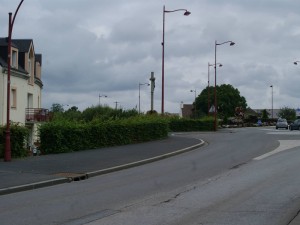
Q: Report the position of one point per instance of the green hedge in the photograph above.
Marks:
(59, 137)
(18, 136)
(182, 124)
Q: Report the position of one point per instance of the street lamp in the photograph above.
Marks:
(272, 100)
(7, 152)
(140, 84)
(186, 13)
(100, 96)
(231, 43)
(208, 85)
(195, 99)
(296, 62)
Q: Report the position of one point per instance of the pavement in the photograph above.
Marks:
(47, 170)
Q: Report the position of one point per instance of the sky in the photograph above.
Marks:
(93, 48)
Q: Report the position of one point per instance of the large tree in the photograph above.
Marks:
(57, 108)
(287, 113)
(228, 98)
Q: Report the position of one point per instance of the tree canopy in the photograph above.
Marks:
(287, 113)
(228, 98)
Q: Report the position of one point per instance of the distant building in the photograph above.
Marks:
(269, 111)
(26, 85)
(298, 112)
(186, 110)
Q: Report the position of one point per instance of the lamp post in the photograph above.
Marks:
(208, 85)
(296, 62)
(7, 152)
(186, 13)
(100, 96)
(140, 84)
(231, 43)
(272, 100)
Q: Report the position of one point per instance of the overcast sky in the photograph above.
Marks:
(108, 47)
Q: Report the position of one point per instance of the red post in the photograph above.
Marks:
(215, 91)
(7, 151)
(163, 66)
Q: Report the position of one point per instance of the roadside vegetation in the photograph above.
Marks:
(18, 137)
(102, 126)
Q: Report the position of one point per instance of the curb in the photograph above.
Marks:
(48, 183)
(142, 162)
(32, 186)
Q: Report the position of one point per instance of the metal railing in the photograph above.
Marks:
(37, 115)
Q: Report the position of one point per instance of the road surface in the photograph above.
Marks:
(242, 176)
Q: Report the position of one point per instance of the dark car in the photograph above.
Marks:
(295, 125)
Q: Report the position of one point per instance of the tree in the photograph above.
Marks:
(287, 113)
(265, 114)
(56, 107)
(228, 98)
(72, 114)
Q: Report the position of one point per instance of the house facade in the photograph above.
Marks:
(25, 86)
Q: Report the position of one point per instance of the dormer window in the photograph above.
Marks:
(14, 59)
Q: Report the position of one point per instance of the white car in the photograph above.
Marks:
(282, 123)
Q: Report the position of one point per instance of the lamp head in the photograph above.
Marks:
(295, 63)
(220, 65)
(232, 43)
(186, 13)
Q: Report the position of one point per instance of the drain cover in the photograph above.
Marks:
(73, 176)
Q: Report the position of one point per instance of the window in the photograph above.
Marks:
(13, 100)
(29, 100)
(14, 60)
(30, 71)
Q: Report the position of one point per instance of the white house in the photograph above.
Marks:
(26, 86)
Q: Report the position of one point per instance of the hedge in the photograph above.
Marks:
(18, 136)
(182, 124)
(60, 137)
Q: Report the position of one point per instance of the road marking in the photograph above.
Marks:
(285, 133)
(283, 145)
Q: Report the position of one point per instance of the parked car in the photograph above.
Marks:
(282, 123)
(295, 125)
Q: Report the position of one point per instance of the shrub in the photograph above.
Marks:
(182, 124)
(18, 136)
(63, 136)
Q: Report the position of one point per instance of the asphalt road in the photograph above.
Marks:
(230, 180)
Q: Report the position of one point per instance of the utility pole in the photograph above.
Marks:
(152, 80)
(117, 104)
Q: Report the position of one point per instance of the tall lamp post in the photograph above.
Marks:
(186, 13)
(140, 84)
(296, 62)
(100, 96)
(195, 91)
(208, 85)
(272, 100)
(7, 152)
(231, 43)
